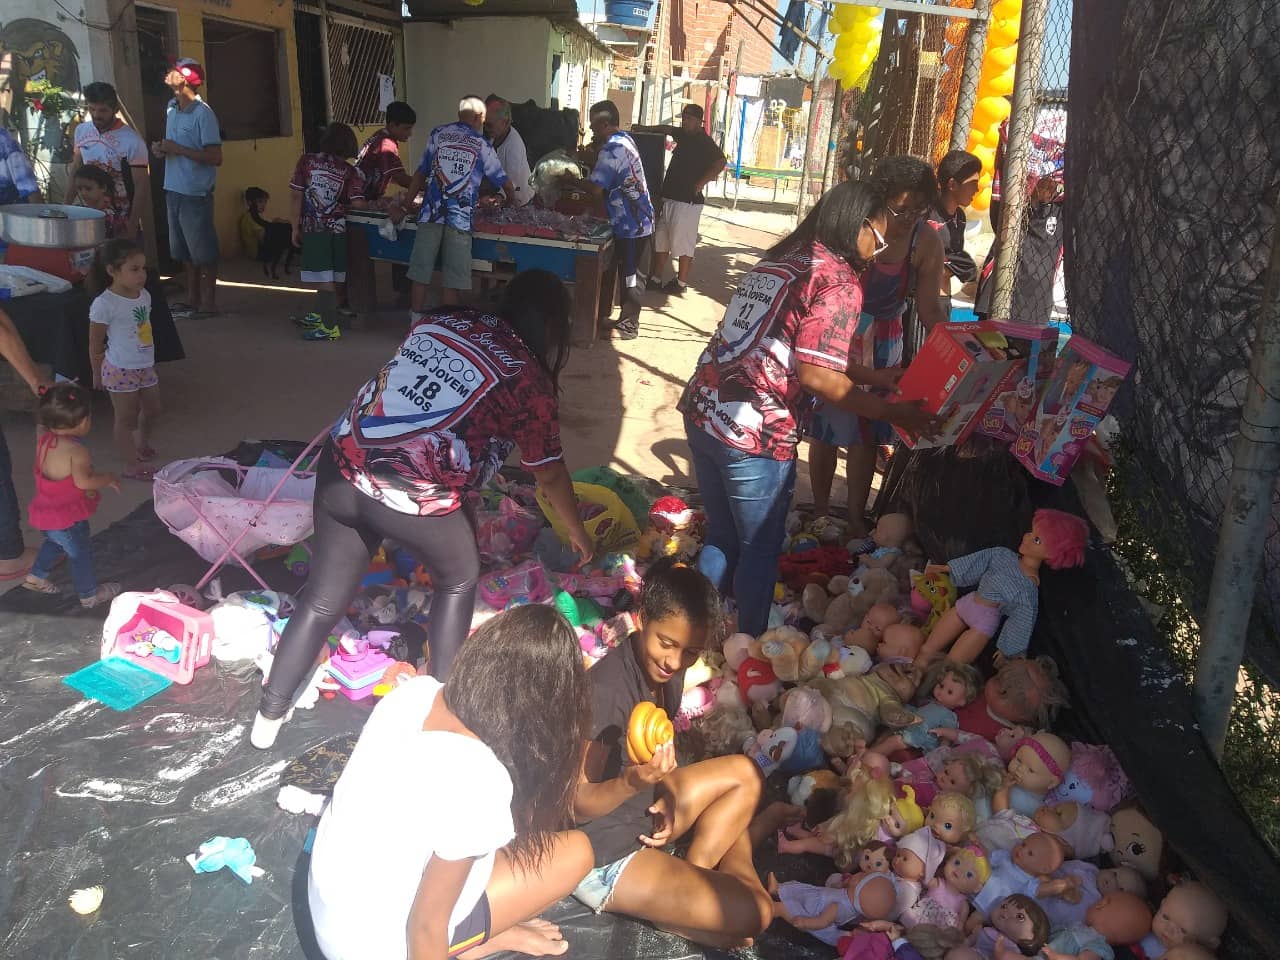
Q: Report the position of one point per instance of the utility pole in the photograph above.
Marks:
(1245, 518)
(975, 46)
(801, 201)
(833, 138)
(1013, 183)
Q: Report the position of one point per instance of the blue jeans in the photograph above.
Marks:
(10, 521)
(74, 542)
(746, 499)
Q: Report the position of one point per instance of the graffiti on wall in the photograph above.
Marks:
(35, 53)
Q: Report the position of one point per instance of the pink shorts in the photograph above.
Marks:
(119, 380)
(980, 616)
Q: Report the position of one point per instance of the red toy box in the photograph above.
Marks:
(138, 640)
(1032, 350)
(1084, 382)
(954, 374)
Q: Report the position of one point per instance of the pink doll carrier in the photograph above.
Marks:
(225, 511)
(156, 632)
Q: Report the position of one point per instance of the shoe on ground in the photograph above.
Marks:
(654, 285)
(309, 322)
(322, 333)
(628, 328)
(264, 732)
(38, 585)
(105, 594)
(673, 287)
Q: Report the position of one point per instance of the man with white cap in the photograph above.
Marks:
(192, 153)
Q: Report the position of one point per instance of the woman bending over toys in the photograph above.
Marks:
(631, 808)
(488, 761)
(1008, 588)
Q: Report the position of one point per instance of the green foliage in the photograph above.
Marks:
(1159, 564)
(51, 100)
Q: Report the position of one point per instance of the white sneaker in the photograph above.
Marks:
(264, 732)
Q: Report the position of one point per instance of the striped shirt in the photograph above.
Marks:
(1001, 581)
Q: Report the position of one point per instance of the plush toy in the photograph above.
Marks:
(757, 682)
(932, 595)
(796, 568)
(736, 648)
(802, 786)
(856, 702)
(670, 514)
(868, 588)
(831, 658)
(784, 647)
(806, 755)
(654, 544)
(1134, 841)
(1095, 777)
(805, 709)
(771, 748)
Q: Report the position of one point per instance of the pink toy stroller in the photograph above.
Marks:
(225, 511)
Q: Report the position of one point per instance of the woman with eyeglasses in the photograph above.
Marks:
(792, 332)
(913, 259)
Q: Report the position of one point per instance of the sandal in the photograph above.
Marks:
(105, 593)
(140, 471)
(39, 585)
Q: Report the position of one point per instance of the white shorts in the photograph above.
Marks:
(677, 230)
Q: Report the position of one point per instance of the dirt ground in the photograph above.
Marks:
(248, 376)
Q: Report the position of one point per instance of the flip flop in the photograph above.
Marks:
(39, 586)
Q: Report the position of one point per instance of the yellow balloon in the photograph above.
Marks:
(992, 138)
(985, 154)
(846, 18)
(1006, 9)
(1000, 85)
(865, 33)
(981, 202)
(990, 112)
(1003, 32)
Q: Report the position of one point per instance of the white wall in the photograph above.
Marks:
(445, 62)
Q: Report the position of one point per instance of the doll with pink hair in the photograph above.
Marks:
(1094, 777)
(1008, 586)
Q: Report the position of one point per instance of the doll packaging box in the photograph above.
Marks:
(1032, 350)
(1084, 382)
(955, 374)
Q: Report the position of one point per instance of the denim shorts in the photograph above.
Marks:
(596, 889)
(192, 238)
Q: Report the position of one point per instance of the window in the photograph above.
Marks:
(358, 54)
(243, 67)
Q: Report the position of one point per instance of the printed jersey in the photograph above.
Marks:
(113, 150)
(328, 185)
(745, 391)
(620, 174)
(378, 161)
(443, 415)
(457, 158)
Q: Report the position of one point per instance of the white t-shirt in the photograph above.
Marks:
(515, 161)
(361, 887)
(128, 322)
(120, 145)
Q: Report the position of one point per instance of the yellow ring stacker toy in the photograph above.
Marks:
(648, 728)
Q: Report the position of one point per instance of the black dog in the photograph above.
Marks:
(277, 243)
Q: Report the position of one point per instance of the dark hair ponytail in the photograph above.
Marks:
(113, 255)
(536, 304)
(836, 221)
(63, 406)
(675, 589)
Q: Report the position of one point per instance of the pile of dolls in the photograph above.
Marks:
(957, 823)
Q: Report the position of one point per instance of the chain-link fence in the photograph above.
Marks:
(1174, 160)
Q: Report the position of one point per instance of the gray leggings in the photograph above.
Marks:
(349, 526)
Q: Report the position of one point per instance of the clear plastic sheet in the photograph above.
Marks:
(91, 796)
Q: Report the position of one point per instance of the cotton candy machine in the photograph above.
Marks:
(56, 238)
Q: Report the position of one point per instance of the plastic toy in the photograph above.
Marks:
(1189, 913)
(85, 900)
(298, 560)
(1039, 764)
(1116, 919)
(358, 672)
(167, 638)
(1008, 587)
(647, 729)
(1019, 928)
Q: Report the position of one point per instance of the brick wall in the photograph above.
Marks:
(702, 32)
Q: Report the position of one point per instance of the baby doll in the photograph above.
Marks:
(945, 901)
(885, 543)
(1189, 913)
(1119, 918)
(1094, 777)
(915, 863)
(1007, 587)
(1038, 765)
(1018, 929)
(900, 643)
(1189, 951)
(857, 703)
(1025, 869)
(951, 817)
(1079, 826)
(950, 686)
(871, 630)
(971, 767)
(822, 911)
(1118, 879)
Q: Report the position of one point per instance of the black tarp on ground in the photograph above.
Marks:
(1125, 690)
(90, 796)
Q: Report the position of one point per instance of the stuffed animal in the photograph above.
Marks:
(856, 702)
(802, 786)
(829, 657)
(771, 748)
(932, 595)
(654, 544)
(869, 588)
(805, 709)
(784, 648)
(1094, 777)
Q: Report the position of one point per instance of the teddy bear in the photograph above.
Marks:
(750, 670)
(654, 544)
(784, 648)
(831, 657)
(865, 590)
(804, 708)
(857, 702)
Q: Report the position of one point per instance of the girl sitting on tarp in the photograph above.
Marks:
(486, 761)
(631, 811)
